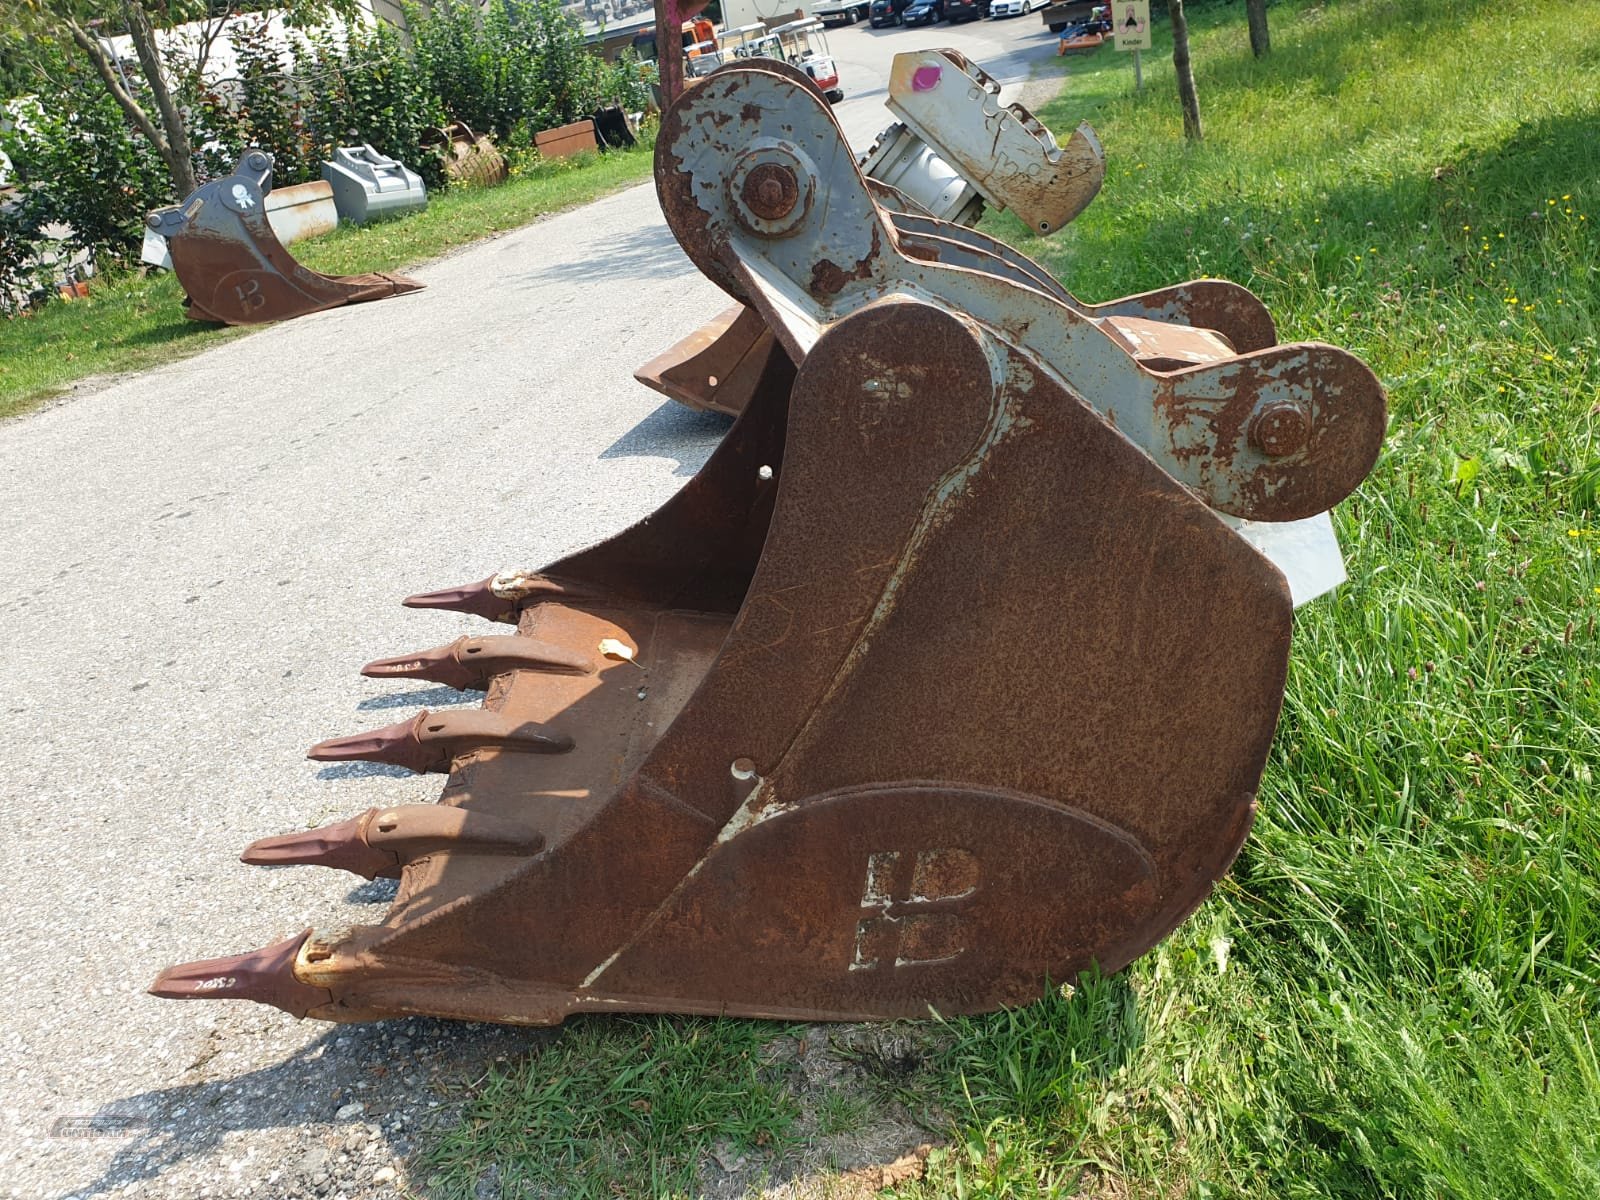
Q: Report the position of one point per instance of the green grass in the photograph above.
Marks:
(130, 323)
(617, 1107)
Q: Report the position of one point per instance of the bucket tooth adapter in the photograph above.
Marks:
(954, 149)
(233, 267)
(940, 682)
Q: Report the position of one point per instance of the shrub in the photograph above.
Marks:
(369, 90)
(81, 164)
(514, 63)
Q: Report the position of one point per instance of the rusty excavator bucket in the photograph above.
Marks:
(233, 267)
(954, 150)
(942, 680)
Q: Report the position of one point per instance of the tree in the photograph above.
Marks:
(1260, 40)
(147, 97)
(14, 73)
(1185, 72)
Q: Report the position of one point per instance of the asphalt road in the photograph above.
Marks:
(193, 564)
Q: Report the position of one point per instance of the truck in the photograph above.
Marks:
(1064, 12)
(767, 12)
(840, 12)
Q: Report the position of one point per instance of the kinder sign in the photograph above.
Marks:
(1130, 24)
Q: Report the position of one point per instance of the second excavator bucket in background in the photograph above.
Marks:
(469, 158)
(720, 365)
(941, 681)
(1004, 151)
(233, 267)
(957, 149)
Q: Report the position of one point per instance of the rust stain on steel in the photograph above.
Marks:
(1287, 432)
(305, 210)
(771, 191)
(1217, 304)
(829, 279)
(970, 681)
(566, 140)
(234, 268)
(1280, 429)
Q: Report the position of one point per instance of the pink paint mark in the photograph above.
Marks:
(925, 79)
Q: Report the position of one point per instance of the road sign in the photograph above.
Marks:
(1130, 24)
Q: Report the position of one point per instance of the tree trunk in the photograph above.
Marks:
(1180, 64)
(177, 154)
(179, 164)
(1260, 40)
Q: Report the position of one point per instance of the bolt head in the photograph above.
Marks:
(771, 191)
(1280, 428)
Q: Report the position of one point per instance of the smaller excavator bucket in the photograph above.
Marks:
(470, 159)
(720, 365)
(1002, 150)
(233, 267)
(942, 681)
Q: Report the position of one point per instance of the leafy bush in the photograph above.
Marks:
(468, 61)
(20, 242)
(82, 165)
(371, 91)
(272, 104)
(627, 83)
(509, 69)
(516, 65)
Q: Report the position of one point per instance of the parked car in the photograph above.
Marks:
(886, 12)
(1014, 8)
(923, 12)
(965, 10)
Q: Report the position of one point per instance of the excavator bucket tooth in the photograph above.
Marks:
(943, 680)
(430, 742)
(497, 598)
(234, 268)
(470, 662)
(266, 976)
(383, 840)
